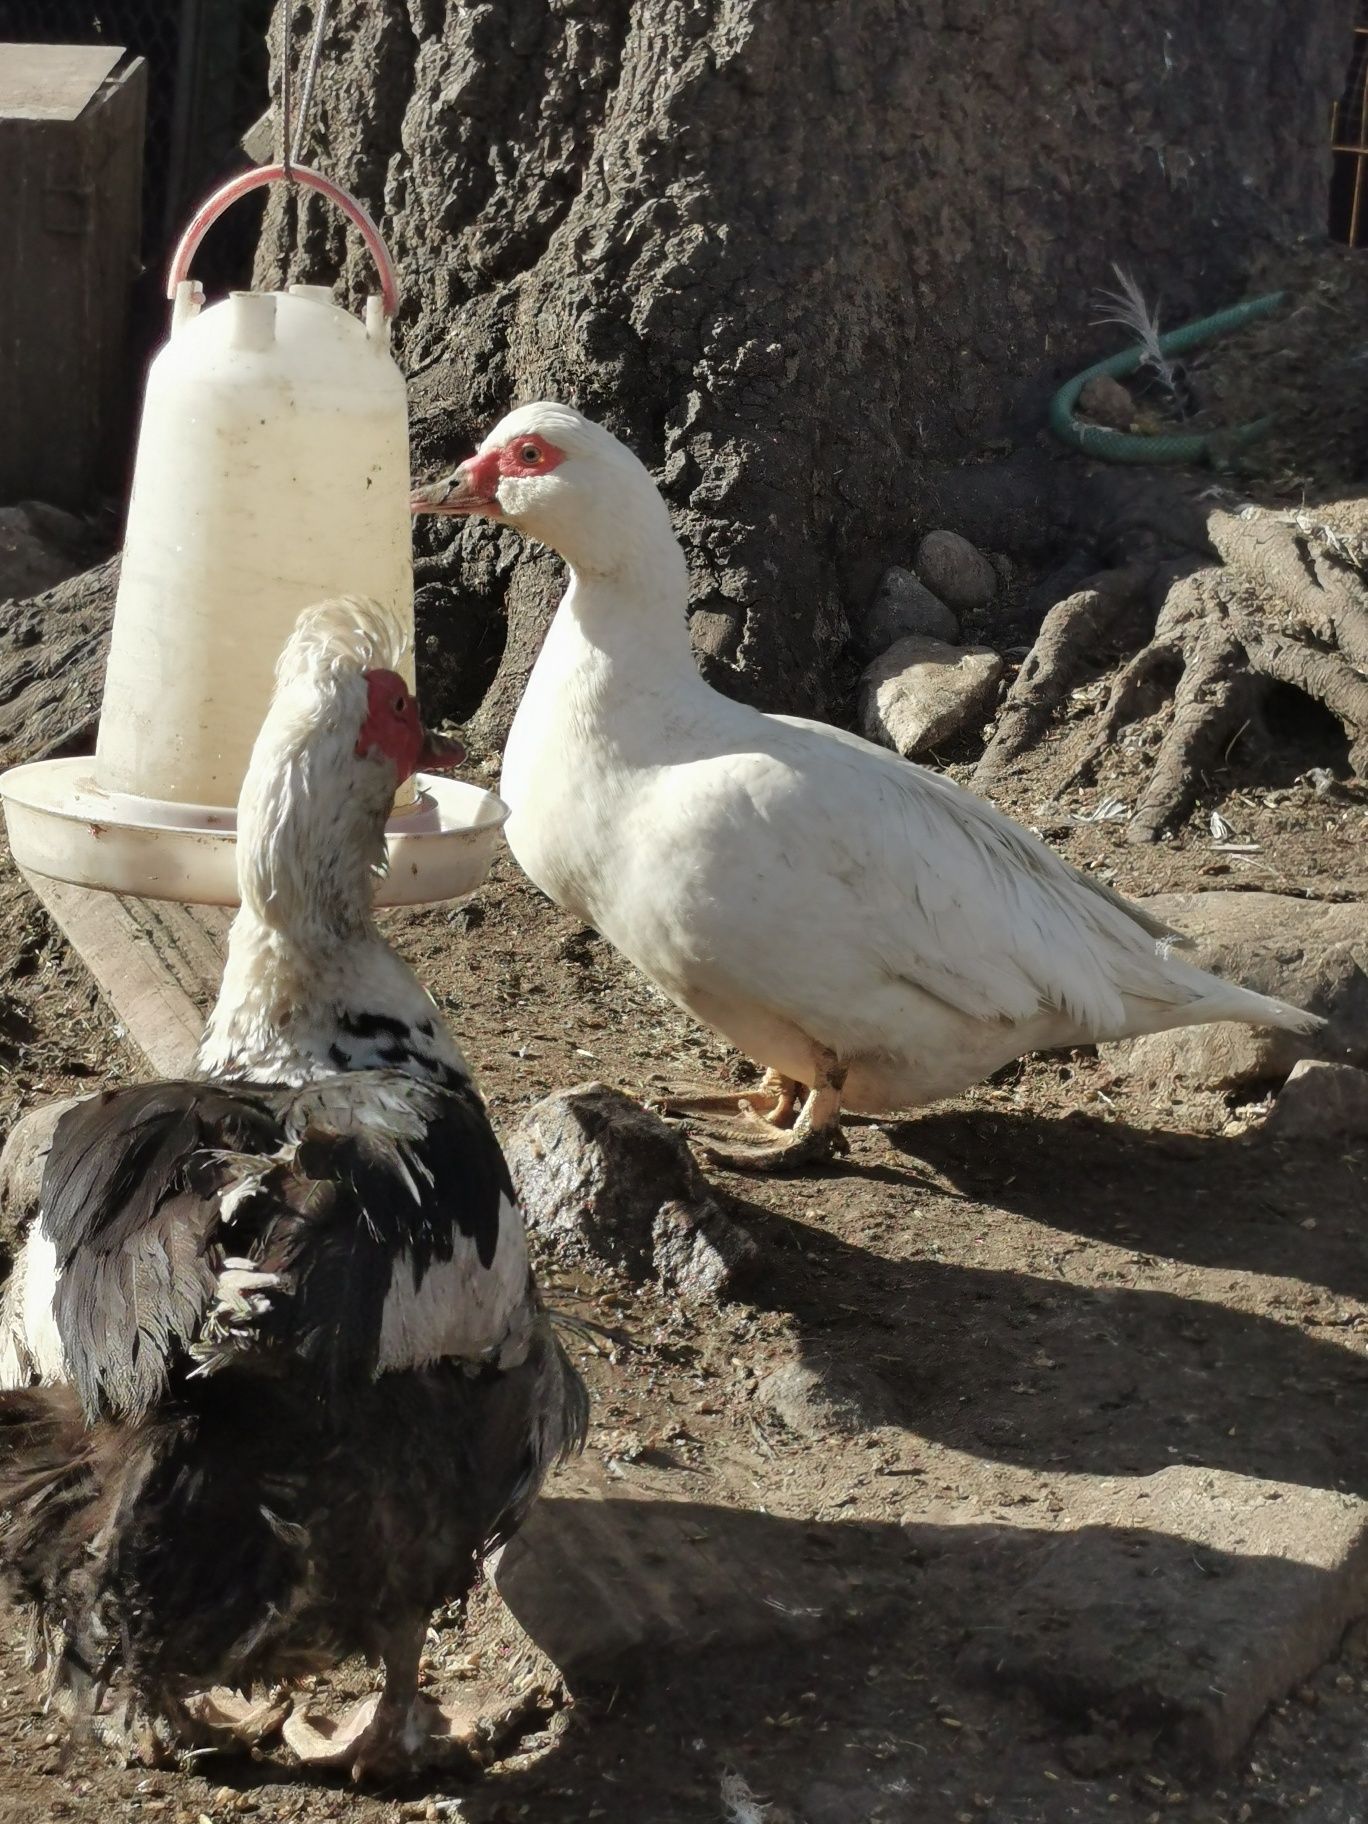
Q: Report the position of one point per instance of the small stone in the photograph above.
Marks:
(1321, 1102)
(601, 1177)
(699, 1259)
(818, 1398)
(1106, 401)
(902, 605)
(922, 693)
(955, 570)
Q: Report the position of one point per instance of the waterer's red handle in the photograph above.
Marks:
(209, 212)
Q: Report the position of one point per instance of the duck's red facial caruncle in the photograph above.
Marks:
(394, 728)
(474, 488)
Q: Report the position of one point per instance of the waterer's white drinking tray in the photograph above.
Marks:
(61, 824)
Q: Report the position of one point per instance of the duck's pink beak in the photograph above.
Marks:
(472, 489)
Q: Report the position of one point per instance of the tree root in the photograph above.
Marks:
(1287, 605)
(1069, 635)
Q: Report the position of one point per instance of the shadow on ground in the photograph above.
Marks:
(1069, 1361)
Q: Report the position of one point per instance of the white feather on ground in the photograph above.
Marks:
(740, 1805)
(1127, 307)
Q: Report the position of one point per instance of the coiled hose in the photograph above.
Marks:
(1125, 446)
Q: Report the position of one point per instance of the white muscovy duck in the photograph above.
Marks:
(874, 935)
(290, 1378)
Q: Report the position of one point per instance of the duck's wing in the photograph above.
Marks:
(129, 1206)
(970, 907)
(360, 1224)
(403, 1241)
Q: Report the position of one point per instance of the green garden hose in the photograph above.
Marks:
(1124, 446)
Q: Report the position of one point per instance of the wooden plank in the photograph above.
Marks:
(52, 81)
(157, 963)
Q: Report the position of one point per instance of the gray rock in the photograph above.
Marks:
(1308, 952)
(603, 1178)
(55, 680)
(21, 1170)
(697, 1251)
(955, 570)
(902, 605)
(1321, 1102)
(922, 693)
(819, 1399)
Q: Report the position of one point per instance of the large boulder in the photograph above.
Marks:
(1178, 1605)
(1309, 952)
(600, 1177)
(40, 546)
(53, 649)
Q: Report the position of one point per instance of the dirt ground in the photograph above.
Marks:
(1046, 1284)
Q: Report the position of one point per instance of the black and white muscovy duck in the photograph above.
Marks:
(290, 1377)
(874, 934)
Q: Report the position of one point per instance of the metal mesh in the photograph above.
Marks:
(1349, 142)
(207, 75)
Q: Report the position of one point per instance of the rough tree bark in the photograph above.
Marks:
(793, 250)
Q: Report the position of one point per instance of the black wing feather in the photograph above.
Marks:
(461, 1177)
(470, 1179)
(130, 1225)
(131, 1201)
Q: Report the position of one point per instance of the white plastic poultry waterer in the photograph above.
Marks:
(272, 471)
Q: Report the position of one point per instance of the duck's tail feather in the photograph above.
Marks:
(1252, 1009)
(1215, 999)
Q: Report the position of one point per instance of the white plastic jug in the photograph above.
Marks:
(272, 471)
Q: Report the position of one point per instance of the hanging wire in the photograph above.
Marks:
(286, 48)
(310, 73)
(294, 145)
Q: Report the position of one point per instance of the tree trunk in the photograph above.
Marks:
(793, 253)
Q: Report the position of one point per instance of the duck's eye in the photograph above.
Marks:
(400, 704)
(530, 454)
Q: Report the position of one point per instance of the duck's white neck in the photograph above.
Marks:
(287, 1013)
(310, 987)
(628, 623)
